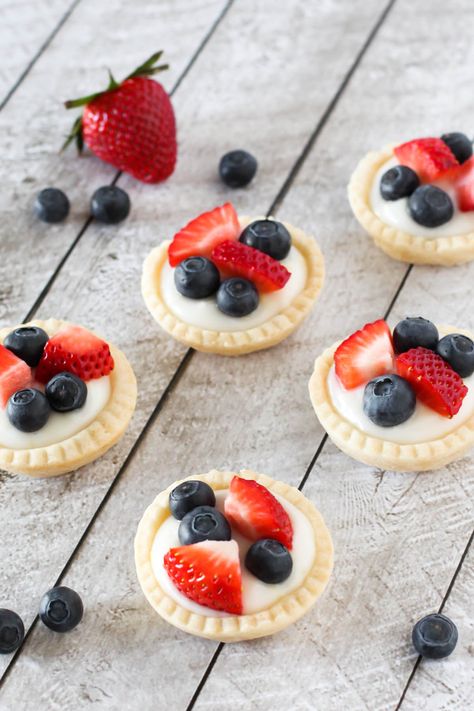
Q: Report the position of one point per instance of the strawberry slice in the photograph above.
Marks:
(208, 573)
(430, 158)
(75, 350)
(256, 513)
(238, 259)
(435, 383)
(464, 186)
(15, 375)
(205, 232)
(365, 355)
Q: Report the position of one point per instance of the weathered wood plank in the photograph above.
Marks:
(449, 683)
(398, 538)
(24, 29)
(153, 24)
(112, 261)
(34, 123)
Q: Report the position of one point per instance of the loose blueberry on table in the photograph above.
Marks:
(61, 609)
(206, 566)
(52, 205)
(398, 370)
(39, 374)
(213, 256)
(427, 169)
(110, 204)
(237, 168)
(435, 636)
(12, 631)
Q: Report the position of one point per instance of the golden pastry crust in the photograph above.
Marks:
(233, 343)
(382, 453)
(445, 251)
(234, 628)
(87, 444)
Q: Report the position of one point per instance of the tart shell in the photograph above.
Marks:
(89, 443)
(234, 628)
(234, 343)
(445, 251)
(422, 456)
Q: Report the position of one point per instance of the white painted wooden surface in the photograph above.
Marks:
(25, 29)
(398, 537)
(108, 262)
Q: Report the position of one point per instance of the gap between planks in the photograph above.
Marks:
(275, 205)
(38, 54)
(49, 284)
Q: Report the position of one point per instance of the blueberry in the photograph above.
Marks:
(458, 351)
(28, 410)
(398, 182)
(435, 636)
(269, 560)
(12, 631)
(389, 400)
(27, 343)
(110, 204)
(237, 168)
(51, 205)
(190, 494)
(204, 523)
(66, 392)
(430, 206)
(61, 609)
(196, 277)
(237, 297)
(413, 332)
(460, 145)
(268, 236)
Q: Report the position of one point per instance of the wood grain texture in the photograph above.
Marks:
(24, 29)
(47, 532)
(107, 263)
(34, 123)
(449, 683)
(398, 537)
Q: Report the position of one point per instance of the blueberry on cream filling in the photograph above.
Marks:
(43, 384)
(431, 186)
(381, 381)
(264, 552)
(214, 259)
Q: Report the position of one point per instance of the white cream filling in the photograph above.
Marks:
(60, 425)
(256, 595)
(423, 426)
(204, 313)
(396, 214)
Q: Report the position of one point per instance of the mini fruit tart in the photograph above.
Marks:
(233, 285)
(66, 396)
(417, 200)
(401, 401)
(232, 556)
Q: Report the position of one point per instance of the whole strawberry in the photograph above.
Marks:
(130, 125)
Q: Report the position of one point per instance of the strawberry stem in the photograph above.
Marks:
(146, 69)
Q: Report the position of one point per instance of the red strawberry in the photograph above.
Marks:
(238, 259)
(256, 513)
(430, 158)
(15, 375)
(205, 232)
(364, 355)
(435, 383)
(75, 350)
(464, 185)
(208, 573)
(130, 125)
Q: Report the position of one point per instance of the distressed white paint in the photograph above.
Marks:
(398, 537)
